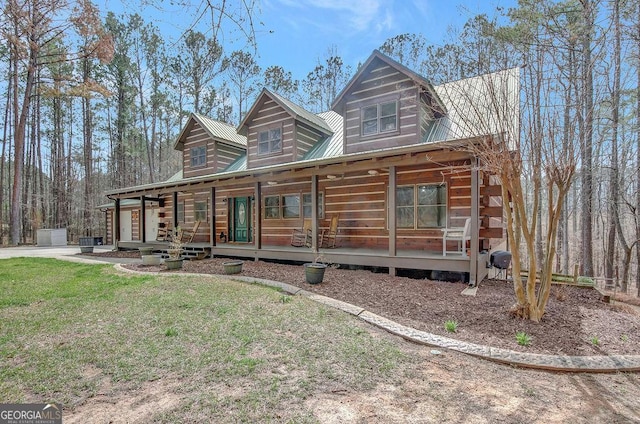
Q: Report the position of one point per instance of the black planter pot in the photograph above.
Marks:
(314, 272)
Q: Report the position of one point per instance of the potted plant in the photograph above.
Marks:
(314, 271)
(174, 261)
(232, 267)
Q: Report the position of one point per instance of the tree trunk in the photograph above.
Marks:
(587, 145)
(19, 140)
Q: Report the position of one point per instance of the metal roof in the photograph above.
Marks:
(221, 130)
(297, 112)
(239, 164)
(331, 146)
(303, 114)
(377, 55)
(477, 106)
(482, 105)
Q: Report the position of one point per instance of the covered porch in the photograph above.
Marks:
(368, 257)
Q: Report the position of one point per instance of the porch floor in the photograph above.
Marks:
(404, 259)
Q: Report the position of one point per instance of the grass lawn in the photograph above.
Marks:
(224, 351)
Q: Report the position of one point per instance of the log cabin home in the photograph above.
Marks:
(388, 164)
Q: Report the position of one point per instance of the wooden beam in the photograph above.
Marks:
(392, 215)
(475, 218)
(212, 220)
(116, 224)
(257, 232)
(314, 212)
(143, 219)
(175, 210)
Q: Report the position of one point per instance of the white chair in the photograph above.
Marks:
(458, 234)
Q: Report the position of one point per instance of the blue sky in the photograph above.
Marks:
(295, 34)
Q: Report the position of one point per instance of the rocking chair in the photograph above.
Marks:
(302, 237)
(328, 236)
(186, 236)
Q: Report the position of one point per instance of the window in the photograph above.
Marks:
(199, 156)
(200, 210)
(380, 118)
(272, 207)
(421, 206)
(306, 205)
(270, 141)
(180, 211)
(291, 206)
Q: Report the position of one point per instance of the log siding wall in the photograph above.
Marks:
(219, 155)
(382, 84)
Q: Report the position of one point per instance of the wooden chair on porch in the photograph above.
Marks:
(186, 236)
(458, 234)
(328, 236)
(302, 237)
(165, 233)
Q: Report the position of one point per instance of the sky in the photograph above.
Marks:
(297, 34)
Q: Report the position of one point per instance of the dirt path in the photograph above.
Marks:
(446, 387)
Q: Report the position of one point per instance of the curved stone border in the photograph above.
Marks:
(600, 364)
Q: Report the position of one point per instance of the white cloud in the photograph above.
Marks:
(359, 15)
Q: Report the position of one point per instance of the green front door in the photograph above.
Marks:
(241, 219)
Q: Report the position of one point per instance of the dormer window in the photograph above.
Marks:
(380, 118)
(198, 156)
(270, 141)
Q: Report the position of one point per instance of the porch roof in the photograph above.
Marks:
(317, 163)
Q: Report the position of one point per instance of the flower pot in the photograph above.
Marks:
(232, 267)
(150, 260)
(145, 251)
(86, 249)
(173, 263)
(314, 272)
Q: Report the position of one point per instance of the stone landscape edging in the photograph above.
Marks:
(564, 363)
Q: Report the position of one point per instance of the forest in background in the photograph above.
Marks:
(93, 104)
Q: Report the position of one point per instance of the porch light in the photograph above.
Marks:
(373, 172)
(332, 177)
(272, 183)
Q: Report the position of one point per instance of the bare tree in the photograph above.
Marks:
(29, 27)
(486, 109)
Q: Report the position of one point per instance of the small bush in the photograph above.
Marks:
(523, 338)
(451, 326)
(595, 341)
(171, 332)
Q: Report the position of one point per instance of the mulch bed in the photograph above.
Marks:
(574, 321)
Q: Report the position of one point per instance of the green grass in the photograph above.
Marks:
(70, 331)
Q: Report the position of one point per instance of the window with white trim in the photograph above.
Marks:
(180, 214)
(270, 141)
(272, 207)
(421, 206)
(291, 206)
(198, 156)
(200, 210)
(379, 118)
(306, 205)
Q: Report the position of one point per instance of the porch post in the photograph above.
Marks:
(392, 216)
(143, 220)
(257, 230)
(212, 221)
(314, 211)
(475, 216)
(175, 210)
(116, 224)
